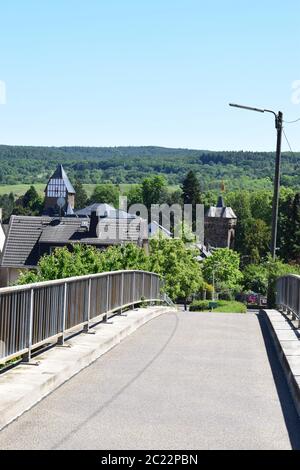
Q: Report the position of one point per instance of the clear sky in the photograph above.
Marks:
(148, 72)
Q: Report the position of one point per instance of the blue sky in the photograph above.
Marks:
(159, 72)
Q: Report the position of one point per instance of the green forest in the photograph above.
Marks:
(119, 165)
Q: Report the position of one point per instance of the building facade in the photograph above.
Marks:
(59, 194)
(219, 226)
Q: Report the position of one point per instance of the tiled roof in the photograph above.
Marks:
(21, 244)
(28, 237)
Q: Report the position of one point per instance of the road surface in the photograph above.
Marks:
(183, 381)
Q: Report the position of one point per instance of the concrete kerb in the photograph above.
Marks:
(287, 344)
(24, 386)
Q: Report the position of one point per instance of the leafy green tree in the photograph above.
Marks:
(7, 203)
(177, 265)
(261, 278)
(134, 195)
(240, 202)
(285, 225)
(191, 189)
(81, 198)
(257, 239)
(106, 193)
(174, 197)
(295, 229)
(124, 257)
(261, 205)
(154, 190)
(224, 266)
(64, 263)
(256, 278)
(191, 193)
(29, 204)
(169, 258)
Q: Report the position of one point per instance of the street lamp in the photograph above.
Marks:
(278, 126)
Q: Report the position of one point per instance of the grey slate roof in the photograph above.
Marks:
(61, 174)
(221, 212)
(28, 238)
(103, 210)
(62, 230)
(21, 247)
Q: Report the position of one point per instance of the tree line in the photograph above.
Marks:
(253, 210)
(247, 170)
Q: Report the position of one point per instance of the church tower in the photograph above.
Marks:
(220, 224)
(59, 194)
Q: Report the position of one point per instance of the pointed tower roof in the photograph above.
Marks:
(60, 174)
(220, 202)
(221, 210)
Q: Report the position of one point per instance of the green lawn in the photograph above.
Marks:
(224, 306)
(20, 189)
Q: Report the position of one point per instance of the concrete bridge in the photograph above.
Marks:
(182, 380)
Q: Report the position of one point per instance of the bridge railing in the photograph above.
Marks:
(288, 295)
(39, 313)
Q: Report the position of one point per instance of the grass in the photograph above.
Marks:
(222, 306)
(20, 189)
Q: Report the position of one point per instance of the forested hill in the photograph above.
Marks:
(132, 164)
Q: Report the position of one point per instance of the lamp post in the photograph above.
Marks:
(278, 126)
(215, 266)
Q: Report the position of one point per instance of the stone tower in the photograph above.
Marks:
(59, 194)
(220, 223)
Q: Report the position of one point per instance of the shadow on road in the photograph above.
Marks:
(291, 418)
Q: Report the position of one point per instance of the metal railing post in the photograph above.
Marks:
(61, 339)
(27, 356)
(133, 289)
(151, 289)
(107, 297)
(122, 291)
(88, 308)
(143, 285)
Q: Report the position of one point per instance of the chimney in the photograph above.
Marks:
(94, 224)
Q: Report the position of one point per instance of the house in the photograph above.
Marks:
(29, 238)
(219, 226)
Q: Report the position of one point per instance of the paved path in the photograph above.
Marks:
(183, 381)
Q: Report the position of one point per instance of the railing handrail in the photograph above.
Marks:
(34, 314)
(288, 275)
(66, 280)
(288, 295)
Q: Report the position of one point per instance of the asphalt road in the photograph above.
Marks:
(183, 381)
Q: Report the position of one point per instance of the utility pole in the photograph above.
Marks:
(278, 125)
